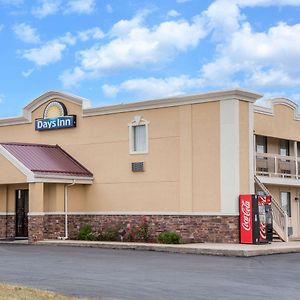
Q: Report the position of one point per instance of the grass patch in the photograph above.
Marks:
(12, 292)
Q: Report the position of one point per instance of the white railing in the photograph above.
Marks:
(280, 218)
(275, 165)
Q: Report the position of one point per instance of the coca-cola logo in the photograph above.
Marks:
(262, 230)
(246, 215)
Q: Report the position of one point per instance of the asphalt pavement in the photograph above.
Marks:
(128, 274)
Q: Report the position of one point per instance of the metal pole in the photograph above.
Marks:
(296, 157)
(66, 208)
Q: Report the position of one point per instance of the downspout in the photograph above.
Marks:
(6, 200)
(66, 208)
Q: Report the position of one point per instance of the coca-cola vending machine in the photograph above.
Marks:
(255, 219)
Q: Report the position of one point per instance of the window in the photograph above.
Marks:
(138, 136)
(261, 144)
(285, 198)
(284, 148)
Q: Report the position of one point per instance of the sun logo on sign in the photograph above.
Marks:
(55, 110)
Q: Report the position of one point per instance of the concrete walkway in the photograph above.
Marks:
(200, 248)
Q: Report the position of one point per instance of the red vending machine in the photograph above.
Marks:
(255, 219)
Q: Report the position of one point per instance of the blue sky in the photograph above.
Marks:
(113, 51)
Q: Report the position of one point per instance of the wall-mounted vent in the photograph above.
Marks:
(137, 166)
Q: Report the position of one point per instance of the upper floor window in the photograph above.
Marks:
(284, 148)
(261, 144)
(138, 136)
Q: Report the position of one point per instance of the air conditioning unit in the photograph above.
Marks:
(137, 166)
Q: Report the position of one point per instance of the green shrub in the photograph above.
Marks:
(142, 232)
(85, 232)
(110, 234)
(169, 237)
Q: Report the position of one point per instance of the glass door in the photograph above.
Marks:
(21, 213)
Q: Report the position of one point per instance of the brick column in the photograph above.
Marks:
(36, 212)
(35, 228)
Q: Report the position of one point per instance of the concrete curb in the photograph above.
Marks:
(200, 249)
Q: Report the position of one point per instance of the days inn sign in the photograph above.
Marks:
(55, 117)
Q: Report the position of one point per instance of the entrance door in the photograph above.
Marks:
(21, 213)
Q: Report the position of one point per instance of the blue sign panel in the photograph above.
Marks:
(55, 123)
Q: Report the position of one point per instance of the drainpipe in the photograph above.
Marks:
(66, 208)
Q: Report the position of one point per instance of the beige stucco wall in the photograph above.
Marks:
(8, 197)
(36, 197)
(206, 157)
(244, 147)
(9, 173)
(3, 198)
(182, 168)
(282, 124)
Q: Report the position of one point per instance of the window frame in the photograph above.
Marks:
(289, 208)
(264, 144)
(138, 121)
(286, 144)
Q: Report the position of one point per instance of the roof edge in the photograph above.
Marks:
(239, 94)
(269, 110)
(223, 95)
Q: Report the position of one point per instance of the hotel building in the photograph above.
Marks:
(180, 161)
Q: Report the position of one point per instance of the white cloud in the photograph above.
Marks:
(80, 6)
(109, 8)
(222, 17)
(1, 98)
(173, 13)
(27, 73)
(94, 33)
(133, 45)
(248, 58)
(110, 90)
(268, 58)
(154, 87)
(46, 8)
(273, 77)
(68, 39)
(72, 78)
(26, 33)
(49, 53)
(50, 7)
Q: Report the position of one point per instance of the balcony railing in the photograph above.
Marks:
(274, 165)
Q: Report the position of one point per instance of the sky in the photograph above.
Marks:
(119, 51)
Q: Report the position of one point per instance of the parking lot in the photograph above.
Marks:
(127, 274)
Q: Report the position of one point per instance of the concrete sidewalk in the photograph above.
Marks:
(200, 248)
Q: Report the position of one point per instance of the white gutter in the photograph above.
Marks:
(66, 208)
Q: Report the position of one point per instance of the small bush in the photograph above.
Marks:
(142, 232)
(110, 234)
(85, 232)
(169, 237)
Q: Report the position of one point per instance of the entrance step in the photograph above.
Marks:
(13, 242)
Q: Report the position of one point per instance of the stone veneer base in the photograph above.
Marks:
(7, 227)
(193, 228)
(198, 229)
